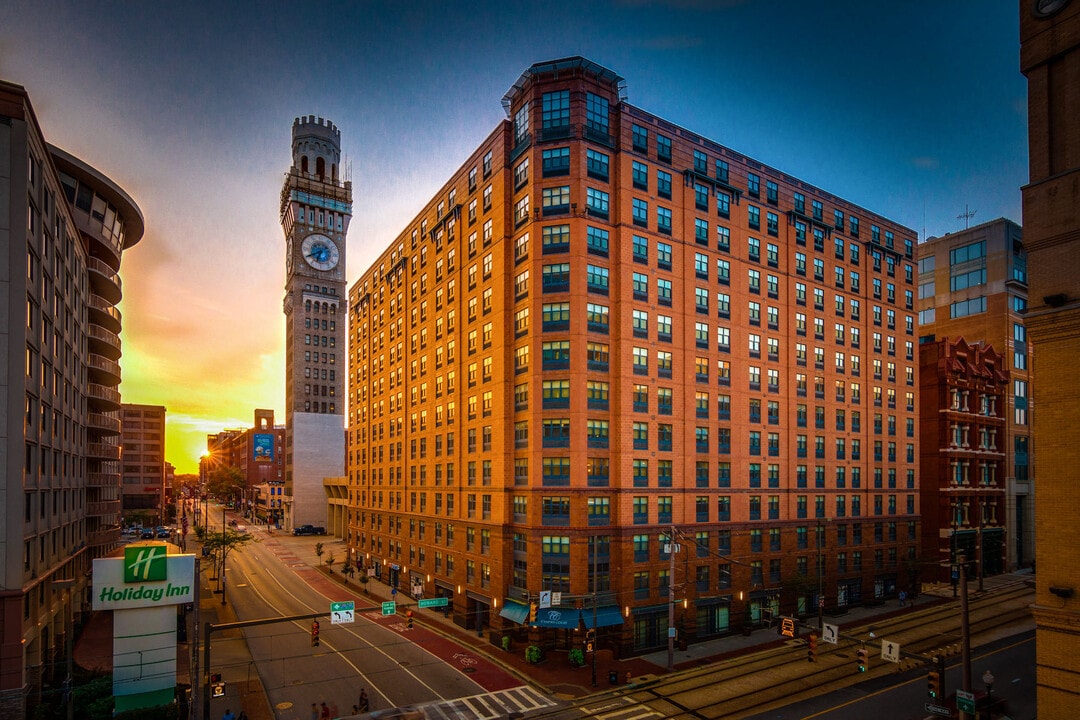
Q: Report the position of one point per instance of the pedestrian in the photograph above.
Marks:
(242, 716)
(228, 715)
(903, 598)
(325, 715)
(363, 704)
(314, 711)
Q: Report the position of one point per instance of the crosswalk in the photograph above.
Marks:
(616, 708)
(489, 706)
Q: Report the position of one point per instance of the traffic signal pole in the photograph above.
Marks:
(210, 628)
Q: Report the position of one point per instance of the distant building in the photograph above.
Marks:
(973, 284)
(142, 463)
(1050, 60)
(962, 400)
(257, 452)
(70, 225)
(605, 328)
(316, 206)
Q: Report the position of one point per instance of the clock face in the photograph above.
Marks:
(320, 252)
(1046, 8)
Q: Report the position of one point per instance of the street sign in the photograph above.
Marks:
(342, 612)
(965, 701)
(556, 598)
(829, 633)
(937, 710)
(545, 599)
(890, 651)
(389, 608)
(433, 602)
(787, 627)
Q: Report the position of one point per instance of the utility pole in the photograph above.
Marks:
(595, 580)
(820, 577)
(965, 634)
(671, 600)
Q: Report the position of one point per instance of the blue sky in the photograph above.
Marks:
(914, 110)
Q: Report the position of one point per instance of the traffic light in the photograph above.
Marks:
(861, 656)
(409, 619)
(533, 608)
(314, 633)
(590, 640)
(811, 651)
(933, 684)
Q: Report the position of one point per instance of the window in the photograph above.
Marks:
(640, 211)
(663, 220)
(555, 162)
(974, 306)
(555, 200)
(596, 164)
(596, 202)
(640, 174)
(663, 148)
(663, 183)
(753, 217)
(555, 109)
(640, 137)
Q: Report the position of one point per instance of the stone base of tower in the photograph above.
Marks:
(318, 451)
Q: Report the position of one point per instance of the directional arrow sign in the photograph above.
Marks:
(389, 608)
(829, 633)
(937, 710)
(965, 701)
(890, 651)
(342, 612)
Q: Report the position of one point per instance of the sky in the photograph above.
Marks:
(915, 110)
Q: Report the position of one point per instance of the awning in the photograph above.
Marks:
(605, 615)
(558, 617)
(514, 611)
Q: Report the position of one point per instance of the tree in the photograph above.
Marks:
(221, 544)
(222, 481)
(330, 563)
(319, 551)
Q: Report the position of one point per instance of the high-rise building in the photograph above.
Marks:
(606, 329)
(61, 481)
(962, 401)
(142, 458)
(1050, 59)
(316, 205)
(973, 285)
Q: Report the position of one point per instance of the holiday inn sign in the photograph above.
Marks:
(147, 576)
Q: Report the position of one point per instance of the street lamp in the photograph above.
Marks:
(988, 681)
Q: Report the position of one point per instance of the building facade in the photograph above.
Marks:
(962, 430)
(1050, 59)
(316, 206)
(612, 357)
(142, 480)
(61, 481)
(256, 452)
(973, 285)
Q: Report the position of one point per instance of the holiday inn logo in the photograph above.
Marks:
(145, 564)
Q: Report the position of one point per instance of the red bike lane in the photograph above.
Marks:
(487, 674)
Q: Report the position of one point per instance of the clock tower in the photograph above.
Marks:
(316, 205)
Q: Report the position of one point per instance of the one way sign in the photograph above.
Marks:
(890, 651)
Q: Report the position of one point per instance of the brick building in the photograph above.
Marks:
(1050, 59)
(962, 402)
(257, 452)
(142, 462)
(605, 328)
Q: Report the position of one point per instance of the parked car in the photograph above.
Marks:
(309, 530)
(162, 532)
(146, 534)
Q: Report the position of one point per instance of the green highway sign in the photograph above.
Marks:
(965, 701)
(433, 602)
(389, 608)
(341, 606)
(342, 612)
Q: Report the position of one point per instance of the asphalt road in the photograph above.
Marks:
(902, 696)
(395, 665)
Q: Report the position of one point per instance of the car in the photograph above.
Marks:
(146, 534)
(241, 528)
(163, 532)
(309, 530)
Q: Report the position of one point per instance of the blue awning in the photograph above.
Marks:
(605, 615)
(514, 611)
(558, 617)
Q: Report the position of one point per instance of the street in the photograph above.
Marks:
(395, 665)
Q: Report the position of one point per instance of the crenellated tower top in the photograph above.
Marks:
(316, 145)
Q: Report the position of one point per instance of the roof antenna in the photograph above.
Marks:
(966, 215)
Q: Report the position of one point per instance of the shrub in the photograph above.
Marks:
(534, 654)
(576, 657)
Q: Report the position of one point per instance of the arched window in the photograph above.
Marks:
(303, 165)
(307, 306)
(320, 167)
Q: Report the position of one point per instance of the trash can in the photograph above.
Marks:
(613, 677)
